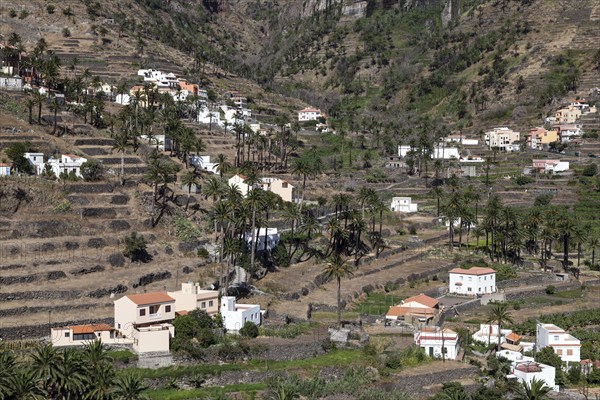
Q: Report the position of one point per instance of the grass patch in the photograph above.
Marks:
(289, 331)
(328, 316)
(213, 392)
(569, 294)
(124, 356)
(345, 357)
(378, 303)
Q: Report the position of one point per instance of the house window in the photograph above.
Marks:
(479, 289)
(112, 334)
(84, 336)
(284, 185)
(154, 309)
(142, 312)
(569, 352)
(210, 303)
(444, 350)
(559, 352)
(469, 290)
(470, 278)
(167, 308)
(556, 337)
(67, 334)
(203, 304)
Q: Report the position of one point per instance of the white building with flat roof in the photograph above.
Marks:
(473, 281)
(526, 371)
(309, 114)
(566, 346)
(438, 342)
(236, 315)
(403, 204)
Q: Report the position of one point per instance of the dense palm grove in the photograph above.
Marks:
(48, 373)
(513, 233)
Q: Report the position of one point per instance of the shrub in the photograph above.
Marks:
(412, 230)
(92, 170)
(12, 13)
(249, 330)
(550, 289)
(50, 8)
(66, 32)
(393, 361)
(135, 248)
(23, 14)
(62, 207)
(202, 253)
(523, 180)
(590, 170)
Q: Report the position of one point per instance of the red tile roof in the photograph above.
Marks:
(473, 271)
(513, 337)
(78, 329)
(4, 165)
(422, 299)
(150, 298)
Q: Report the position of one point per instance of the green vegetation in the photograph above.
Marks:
(288, 331)
(566, 321)
(135, 248)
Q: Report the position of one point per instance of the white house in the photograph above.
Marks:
(566, 346)
(192, 297)
(439, 152)
(488, 333)
(526, 371)
(11, 83)
(568, 132)
(309, 114)
(80, 335)
(438, 342)
(67, 164)
(551, 166)
(238, 180)
(280, 187)
(473, 281)
(4, 169)
(203, 163)
(205, 116)
(236, 315)
(462, 139)
(161, 142)
(35, 159)
(403, 204)
(270, 238)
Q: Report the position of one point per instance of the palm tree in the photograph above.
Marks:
(213, 188)
(593, 245)
(338, 268)
(95, 355)
(534, 390)
(54, 107)
(129, 386)
(500, 314)
(291, 215)
(121, 144)
(222, 165)
(44, 365)
(189, 179)
(71, 375)
(23, 385)
(39, 100)
(254, 200)
(30, 103)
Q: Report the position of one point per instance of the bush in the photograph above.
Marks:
(550, 289)
(12, 13)
(92, 170)
(393, 361)
(66, 32)
(523, 180)
(249, 330)
(202, 253)
(412, 230)
(590, 170)
(23, 14)
(50, 8)
(135, 248)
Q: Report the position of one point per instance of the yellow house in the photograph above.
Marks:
(192, 297)
(539, 138)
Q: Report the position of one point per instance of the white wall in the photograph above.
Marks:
(236, 315)
(151, 340)
(472, 284)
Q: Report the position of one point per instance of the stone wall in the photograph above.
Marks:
(415, 383)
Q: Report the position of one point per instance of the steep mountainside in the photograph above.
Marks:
(471, 63)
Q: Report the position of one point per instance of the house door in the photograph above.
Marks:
(431, 352)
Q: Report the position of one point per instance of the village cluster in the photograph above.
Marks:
(145, 321)
(439, 342)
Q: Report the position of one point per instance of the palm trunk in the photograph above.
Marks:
(123, 168)
(254, 239)
(339, 302)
